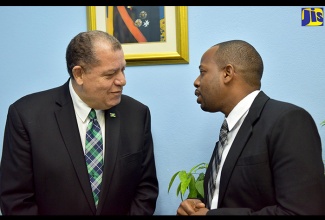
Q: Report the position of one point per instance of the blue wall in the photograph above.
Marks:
(32, 58)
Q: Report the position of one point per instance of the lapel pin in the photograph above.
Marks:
(112, 115)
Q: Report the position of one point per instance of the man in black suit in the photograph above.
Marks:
(271, 163)
(43, 167)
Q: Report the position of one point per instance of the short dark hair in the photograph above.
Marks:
(244, 57)
(80, 50)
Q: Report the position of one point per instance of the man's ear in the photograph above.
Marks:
(77, 73)
(229, 73)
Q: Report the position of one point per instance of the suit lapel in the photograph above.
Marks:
(68, 126)
(240, 141)
(112, 133)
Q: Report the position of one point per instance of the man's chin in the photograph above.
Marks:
(113, 103)
(204, 108)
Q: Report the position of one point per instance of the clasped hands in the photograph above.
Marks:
(192, 207)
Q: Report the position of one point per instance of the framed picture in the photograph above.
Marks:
(150, 35)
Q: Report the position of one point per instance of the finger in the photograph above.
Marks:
(181, 211)
(200, 205)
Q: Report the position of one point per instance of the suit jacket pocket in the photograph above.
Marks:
(131, 158)
(253, 159)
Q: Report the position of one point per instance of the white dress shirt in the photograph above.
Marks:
(234, 120)
(82, 111)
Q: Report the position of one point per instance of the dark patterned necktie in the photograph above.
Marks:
(216, 162)
(94, 154)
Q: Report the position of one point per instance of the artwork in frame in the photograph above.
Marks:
(149, 36)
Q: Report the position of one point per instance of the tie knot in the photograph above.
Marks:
(92, 114)
(224, 126)
(223, 133)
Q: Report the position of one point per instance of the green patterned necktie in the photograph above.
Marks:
(94, 154)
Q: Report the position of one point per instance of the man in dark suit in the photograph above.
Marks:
(43, 167)
(271, 163)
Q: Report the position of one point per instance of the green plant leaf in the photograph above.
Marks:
(200, 177)
(197, 167)
(192, 188)
(323, 123)
(185, 181)
(178, 189)
(199, 188)
(182, 175)
(172, 180)
(178, 192)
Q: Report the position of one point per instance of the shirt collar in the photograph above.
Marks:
(82, 109)
(240, 109)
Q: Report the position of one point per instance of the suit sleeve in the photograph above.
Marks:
(144, 202)
(16, 172)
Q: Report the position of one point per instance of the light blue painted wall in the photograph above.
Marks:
(32, 58)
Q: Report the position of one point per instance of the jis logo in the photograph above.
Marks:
(312, 17)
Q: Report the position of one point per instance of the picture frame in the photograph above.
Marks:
(172, 51)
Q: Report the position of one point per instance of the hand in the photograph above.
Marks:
(192, 207)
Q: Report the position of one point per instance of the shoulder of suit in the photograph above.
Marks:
(128, 100)
(38, 96)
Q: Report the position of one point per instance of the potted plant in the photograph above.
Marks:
(190, 182)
